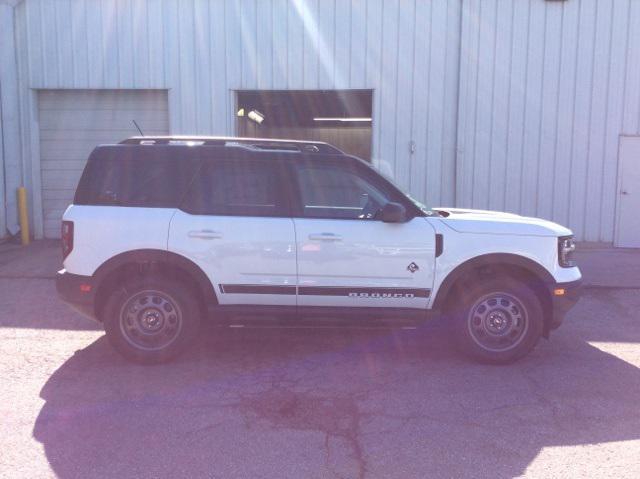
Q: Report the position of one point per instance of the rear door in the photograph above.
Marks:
(347, 256)
(235, 224)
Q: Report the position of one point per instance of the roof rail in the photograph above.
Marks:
(251, 143)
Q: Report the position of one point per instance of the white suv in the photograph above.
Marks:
(166, 231)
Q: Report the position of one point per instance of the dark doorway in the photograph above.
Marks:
(339, 117)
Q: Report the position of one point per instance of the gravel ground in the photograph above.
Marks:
(316, 403)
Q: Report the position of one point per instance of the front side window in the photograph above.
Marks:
(338, 192)
(237, 188)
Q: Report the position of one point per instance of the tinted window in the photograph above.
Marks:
(152, 176)
(338, 192)
(239, 187)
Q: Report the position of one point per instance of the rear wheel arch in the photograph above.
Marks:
(118, 269)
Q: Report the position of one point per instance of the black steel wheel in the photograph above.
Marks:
(498, 320)
(151, 319)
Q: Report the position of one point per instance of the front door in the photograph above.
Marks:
(235, 224)
(628, 224)
(347, 256)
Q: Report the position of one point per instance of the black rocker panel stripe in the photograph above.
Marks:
(256, 289)
(355, 292)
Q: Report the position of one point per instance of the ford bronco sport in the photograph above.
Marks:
(164, 232)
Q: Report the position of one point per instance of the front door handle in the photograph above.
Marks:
(325, 237)
(205, 234)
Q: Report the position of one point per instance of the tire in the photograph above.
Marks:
(151, 319)
(497, 321)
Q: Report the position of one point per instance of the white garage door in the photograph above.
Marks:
(73, 122)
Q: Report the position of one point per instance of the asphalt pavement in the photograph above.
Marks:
(298, 403)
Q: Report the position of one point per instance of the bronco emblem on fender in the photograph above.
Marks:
(413, 267)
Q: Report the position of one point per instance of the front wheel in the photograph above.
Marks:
(151, 320)
(498, 321)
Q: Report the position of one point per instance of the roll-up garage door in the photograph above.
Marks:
(73, 122)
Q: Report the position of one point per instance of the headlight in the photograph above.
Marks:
(566, 247)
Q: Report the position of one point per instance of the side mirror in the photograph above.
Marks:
(393, 213)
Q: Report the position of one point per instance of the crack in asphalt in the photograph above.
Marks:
(541, 394)
(336, 417)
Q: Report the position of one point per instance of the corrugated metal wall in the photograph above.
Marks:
(535, 93)
(202, 50)
(546, 90)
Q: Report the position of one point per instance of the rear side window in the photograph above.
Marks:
(238, 187)
(151, 176)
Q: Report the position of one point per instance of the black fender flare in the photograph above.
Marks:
(491, 259)
(151, 256)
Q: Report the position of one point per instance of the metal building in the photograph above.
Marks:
(526, 106)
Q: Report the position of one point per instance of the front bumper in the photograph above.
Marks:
(562, 303)
(77, 291)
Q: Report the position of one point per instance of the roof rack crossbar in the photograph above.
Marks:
(258, 143)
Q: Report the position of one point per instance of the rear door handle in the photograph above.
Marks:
(205, 234)
(325, 237)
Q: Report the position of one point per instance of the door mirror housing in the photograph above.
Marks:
(393, 213)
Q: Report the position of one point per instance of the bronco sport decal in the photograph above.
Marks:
(382, 295)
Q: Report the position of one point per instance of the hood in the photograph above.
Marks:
(496, 222)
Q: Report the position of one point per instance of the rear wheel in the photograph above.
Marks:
(498, 321)
(151, 320)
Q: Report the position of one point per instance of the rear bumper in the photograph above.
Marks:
(77, 291)
(562, 303)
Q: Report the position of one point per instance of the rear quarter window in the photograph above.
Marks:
(153, 176)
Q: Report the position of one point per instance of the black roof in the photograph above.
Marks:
(252, 143)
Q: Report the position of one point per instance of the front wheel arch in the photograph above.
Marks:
(513, 266)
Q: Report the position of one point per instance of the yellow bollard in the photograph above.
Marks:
(24, 215)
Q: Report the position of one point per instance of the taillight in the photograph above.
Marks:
(67, 238)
